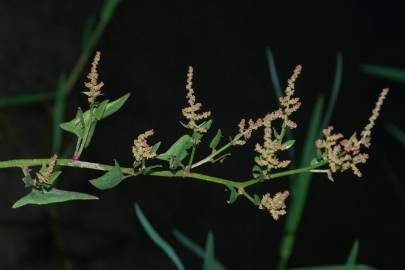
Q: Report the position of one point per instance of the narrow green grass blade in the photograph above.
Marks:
(279, 92)
(189, 244)
(337, 83)
(354, 252)
(108, 9)
(157, 239)
(26, 99)
(273, 73)
(396, 132)
(59, 114)
(337, 267)
(87, 31)
(195, 248)
(390, 73)
(209, 261)
(299, 186)
(106, 14)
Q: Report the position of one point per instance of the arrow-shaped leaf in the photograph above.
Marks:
(54, 195)
(110, 179)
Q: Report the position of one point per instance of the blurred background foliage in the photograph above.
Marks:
(243, 53)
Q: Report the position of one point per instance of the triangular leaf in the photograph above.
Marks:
(155, 147)
(110, 179)
(75, 126)
(54, 195)
(197, 136)
(100, 110)
(178, 149)
(114, 106)
(215, 141)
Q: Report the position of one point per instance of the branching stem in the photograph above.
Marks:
(24, 163)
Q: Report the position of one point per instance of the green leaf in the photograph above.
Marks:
(257, 200)
(100, 110)
(75, 126)
(90, 134)
(288, 144)
(54, 176)
(351, 260)
(209, 261)
(233, 195)
(396, 133)
(114, 106)
(207, 125)
(215, 141)
(108, 9)
(155, 147)
(390, 73)
(157, 239)
(59, 114)
(337, 83)
(314, 161)
(54, 195)
(110, 179)
(300, 185)
(257, 172)
(26, 99)
(195, 248)
(178, 150)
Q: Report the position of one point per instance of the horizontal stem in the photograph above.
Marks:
(21, 163)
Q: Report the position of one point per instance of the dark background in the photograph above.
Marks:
(146, 50)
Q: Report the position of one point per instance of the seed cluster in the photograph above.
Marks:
(343, 154)
(93, 85)
(273, 141)
(191, 112)
(141, 148)
(276, 205)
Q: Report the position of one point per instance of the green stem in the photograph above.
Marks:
(215, 153)
(190, 162)
(21, 163)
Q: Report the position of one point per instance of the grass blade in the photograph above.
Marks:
(209, 261)
(354, 252)
(189, 244)
(396, 132)
(299, 186)
(337, 83)
(195, 248)
(273, 73)
(390, 73)
(26, 99)
(157, 239)
(59, 114)
(87, 31)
